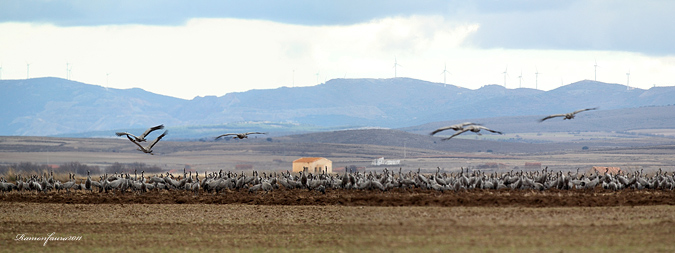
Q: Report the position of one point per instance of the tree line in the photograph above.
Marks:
(29, 168)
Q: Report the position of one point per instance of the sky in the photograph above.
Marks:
(210, 48)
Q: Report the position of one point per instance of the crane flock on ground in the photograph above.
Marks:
(222, 182)
(388, 180)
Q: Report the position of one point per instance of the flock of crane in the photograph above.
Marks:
(148, 149)
(476, 128)
(387, 180)
(459, 129)
(220, 182)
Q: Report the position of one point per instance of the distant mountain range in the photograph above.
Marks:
(55, 106)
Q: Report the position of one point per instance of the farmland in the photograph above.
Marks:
(333, 228)
(340, 220)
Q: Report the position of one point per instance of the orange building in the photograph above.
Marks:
(313, 164)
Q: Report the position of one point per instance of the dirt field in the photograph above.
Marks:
(339, 221)
(399, 197)
(344, 221)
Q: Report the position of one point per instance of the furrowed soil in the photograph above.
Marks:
(342, 221)
(399, 197)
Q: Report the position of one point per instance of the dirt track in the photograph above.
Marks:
(416, 197)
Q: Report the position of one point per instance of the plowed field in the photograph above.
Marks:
(400, 197)
(342, 221)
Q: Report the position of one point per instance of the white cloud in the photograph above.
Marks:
(217, 56)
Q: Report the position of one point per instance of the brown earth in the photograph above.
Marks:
(341, 221)
(332, 228)
(399, 197)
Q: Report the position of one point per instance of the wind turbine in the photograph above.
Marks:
(395, 64)
(536, 78)
(27, 70)
(445, 70)
(595, 71)
(317, 77)
(67, 71)
(520, 81)
(505, 74)
(0, 71)
(106, 80)
(628, 80)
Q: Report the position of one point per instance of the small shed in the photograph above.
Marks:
(313, 164)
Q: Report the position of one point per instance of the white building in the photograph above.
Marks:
(381, 161)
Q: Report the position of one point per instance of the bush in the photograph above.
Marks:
(77, 168)
(24, 168)
(130, 167)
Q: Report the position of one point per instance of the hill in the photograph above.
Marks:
(411, 141)
(50, 106)
(54, 106)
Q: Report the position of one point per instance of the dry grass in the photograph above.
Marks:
(172, 227)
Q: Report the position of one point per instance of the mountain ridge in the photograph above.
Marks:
(55, 106)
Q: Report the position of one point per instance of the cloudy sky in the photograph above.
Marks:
(198, 48)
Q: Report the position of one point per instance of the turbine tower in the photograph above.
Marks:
(70, 72)
(595, 71)
(520, 80)
(395, 64)
(505, 74)
(317, 77)
(67, 71)
(445, 70)
(27, 70)
(536, 78)
(628, 80)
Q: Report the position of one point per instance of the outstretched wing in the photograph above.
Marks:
(583, 110)
(254, 133)
(134, 141)
(150, 130)
(125, 133)
(552, 116)
(223, 135)
(157, 140)
(457, 133)
(466, 124)
(455, 127)
(442, 129)
(494, 131)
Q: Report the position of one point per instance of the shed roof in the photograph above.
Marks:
(308, 159)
